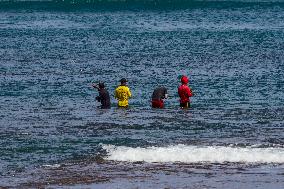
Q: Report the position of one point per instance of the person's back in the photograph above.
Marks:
(122, 94)
(158, 95)
(184, 93)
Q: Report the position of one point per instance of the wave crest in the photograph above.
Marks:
(195, 154)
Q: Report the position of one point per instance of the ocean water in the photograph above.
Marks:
(52, 135)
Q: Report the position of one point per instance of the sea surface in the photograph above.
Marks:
(53, 135)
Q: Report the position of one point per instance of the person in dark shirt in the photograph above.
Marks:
(103, 97)
(158, 95)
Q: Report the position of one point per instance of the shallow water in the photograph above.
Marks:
(53, 134)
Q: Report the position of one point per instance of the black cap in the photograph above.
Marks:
(101, 85)
(123, 80)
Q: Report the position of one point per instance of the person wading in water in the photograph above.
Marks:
(184, 93)
(122, 94)
(158, 95)
(103, 97)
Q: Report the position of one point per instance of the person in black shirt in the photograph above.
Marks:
(103, 97)
(158, 95)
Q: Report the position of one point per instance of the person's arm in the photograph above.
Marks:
(115, 94)
(95, 86)
(189, 92)
(166, 94)
(99, 98)
(129, 93)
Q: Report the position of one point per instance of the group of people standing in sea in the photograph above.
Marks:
(122, 94)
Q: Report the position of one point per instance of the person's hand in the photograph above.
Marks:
(98, 98)
(95, 86)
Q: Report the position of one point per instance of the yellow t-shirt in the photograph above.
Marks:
(122, 93)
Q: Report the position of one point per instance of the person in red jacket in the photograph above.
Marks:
(184, 93)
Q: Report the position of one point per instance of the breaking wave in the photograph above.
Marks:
(195, 154)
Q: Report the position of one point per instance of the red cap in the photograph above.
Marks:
(184, 79)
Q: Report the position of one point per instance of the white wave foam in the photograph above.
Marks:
(52, 166)
(195, 154)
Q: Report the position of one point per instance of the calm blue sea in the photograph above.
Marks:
(52, 135)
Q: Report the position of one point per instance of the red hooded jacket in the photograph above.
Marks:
(184, 93)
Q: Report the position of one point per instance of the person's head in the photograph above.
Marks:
(184, 79)
(123, 81)
(101, 85)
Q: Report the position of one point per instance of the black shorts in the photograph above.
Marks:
(185, 105)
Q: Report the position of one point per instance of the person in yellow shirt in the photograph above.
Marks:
(122, 94)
